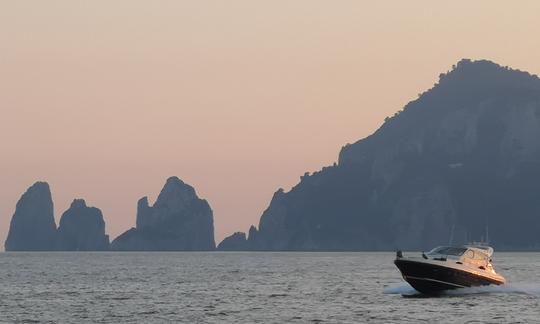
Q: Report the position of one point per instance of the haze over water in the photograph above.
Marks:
(105, 100)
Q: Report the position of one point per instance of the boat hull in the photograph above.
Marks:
(429, 278)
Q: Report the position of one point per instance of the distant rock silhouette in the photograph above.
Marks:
(239, 242)
(253, 239)
(178, 221)
(82, 228)
(235, 242)
(33, 227)
(464, 155)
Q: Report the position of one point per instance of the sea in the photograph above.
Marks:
(250, 287)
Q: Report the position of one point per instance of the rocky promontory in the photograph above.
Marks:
(463, 156)
(178, 221)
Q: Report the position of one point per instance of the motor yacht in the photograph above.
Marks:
(449, 267)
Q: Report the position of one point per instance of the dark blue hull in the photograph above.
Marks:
(432, 279)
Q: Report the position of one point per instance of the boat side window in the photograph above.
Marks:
(481, 257)
(470, 254)
(447, 250)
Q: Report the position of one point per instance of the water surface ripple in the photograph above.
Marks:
(222, 287)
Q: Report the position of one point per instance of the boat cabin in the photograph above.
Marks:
(477, 256)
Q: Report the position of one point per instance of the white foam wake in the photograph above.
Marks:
(400, 289)
(526, 288)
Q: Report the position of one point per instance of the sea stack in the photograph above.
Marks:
(178, 221)
(33, 227)
(235, 242)
(82, 228)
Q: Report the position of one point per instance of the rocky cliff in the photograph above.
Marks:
(178, 221)
(82, 228)
(463, 156)
(32, 226)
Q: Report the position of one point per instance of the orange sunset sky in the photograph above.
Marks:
(106, 99)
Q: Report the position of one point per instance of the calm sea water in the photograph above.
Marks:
(249, 288)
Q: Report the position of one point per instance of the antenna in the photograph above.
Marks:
(450, 242)
(487, 229)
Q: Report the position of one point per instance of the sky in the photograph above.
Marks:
(106, 99)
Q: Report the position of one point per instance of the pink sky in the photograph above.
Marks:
(106, 99)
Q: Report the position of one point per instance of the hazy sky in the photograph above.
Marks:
(106, 99)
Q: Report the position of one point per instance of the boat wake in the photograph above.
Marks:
(400, 289)
(525, 288)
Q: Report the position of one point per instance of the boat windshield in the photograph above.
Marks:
(448, 250)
